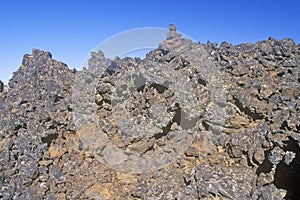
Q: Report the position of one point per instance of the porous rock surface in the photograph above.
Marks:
(214, 122)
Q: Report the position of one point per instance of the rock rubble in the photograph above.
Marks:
(190, 121)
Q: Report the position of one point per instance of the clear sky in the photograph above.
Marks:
(70, 29)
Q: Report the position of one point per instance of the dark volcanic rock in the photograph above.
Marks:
(35, 112)
(228, 182)
(190, 121)
(1, 86)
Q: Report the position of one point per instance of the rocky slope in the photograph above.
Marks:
(190, 121)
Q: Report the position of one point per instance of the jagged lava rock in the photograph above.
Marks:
(1, 86)
(246, 117)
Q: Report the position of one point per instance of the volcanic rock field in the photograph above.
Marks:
(190, 121)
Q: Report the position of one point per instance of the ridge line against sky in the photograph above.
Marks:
(71, 29)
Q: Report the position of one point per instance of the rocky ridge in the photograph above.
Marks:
(238, 111)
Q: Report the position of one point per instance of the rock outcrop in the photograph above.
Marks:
(190, 121)
(1, 86)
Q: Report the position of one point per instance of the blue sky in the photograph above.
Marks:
(71, 29)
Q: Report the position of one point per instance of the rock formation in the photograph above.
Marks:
(1, 86)
(190, 121)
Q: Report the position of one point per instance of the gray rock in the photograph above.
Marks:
(67, 134)
(231, 183)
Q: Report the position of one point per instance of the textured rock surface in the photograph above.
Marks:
(217, 122)
(1, 86)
